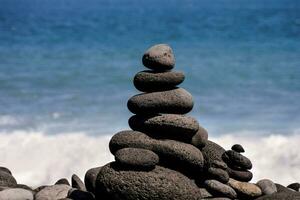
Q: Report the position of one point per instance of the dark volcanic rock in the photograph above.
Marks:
(7, 180)
(294, 186)
(212, 152)
(158, 184)
(90, 179)
(200, 138)
(62, 181)
(233, 158)
(240, 175)
(267, 186)
(173, 154)
(218, 164)
(77, 183)
(150, 81)
(176, 101)
(159, 57)
(238, 148)
(171, 126)
(136, 158)
(219, 189)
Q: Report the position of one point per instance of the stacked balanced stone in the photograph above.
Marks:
(167, 154)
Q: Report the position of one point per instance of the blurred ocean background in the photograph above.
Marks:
(66, 69)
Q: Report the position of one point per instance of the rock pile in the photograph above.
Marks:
(166, 155)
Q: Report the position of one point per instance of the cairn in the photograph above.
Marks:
(166, 155)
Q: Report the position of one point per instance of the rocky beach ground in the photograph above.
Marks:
(167, 154)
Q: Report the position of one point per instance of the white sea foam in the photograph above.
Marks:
(36, 158)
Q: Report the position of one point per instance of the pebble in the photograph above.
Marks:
(62, 181)
(150, 81)
(240, 175)
(158, 184)
(267, 186)
(219, 189)
(200, 138)
(6, 179)
(171, 126)
(233, 158)
(159, 57)
(53, 192)
(238, 148)
(249, 190)
(175, 101)
(137, 159)
(77, 183)
(218, 174)
(90, 179)
(294, 186)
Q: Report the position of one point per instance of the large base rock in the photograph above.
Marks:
(161, 183)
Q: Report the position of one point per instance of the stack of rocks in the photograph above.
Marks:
(167, 154)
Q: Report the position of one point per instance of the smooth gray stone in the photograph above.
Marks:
(136, 158)
(16, 194)
(200, 138)
(232, 158)
(53, 192)
(62, 181)
(7, 180)
(90, 179)
(219, 189)
(159, 57)
(150, 81)
(175, 101)
(173, 154)
(165, 126)
(267, 186)
(159, 184)
(77, 183)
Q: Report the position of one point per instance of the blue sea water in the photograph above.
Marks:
(67, 65)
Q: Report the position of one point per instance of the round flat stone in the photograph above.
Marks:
(267, 186)
(170, 126)
(159, 57)
(240, 175)
(176, 101)
(236, 159)
(158, 184)
(219, 189)
(200, 138)
(136, 158)
(238, 148)
(249, 190)
(212, 152)
(150, 81)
